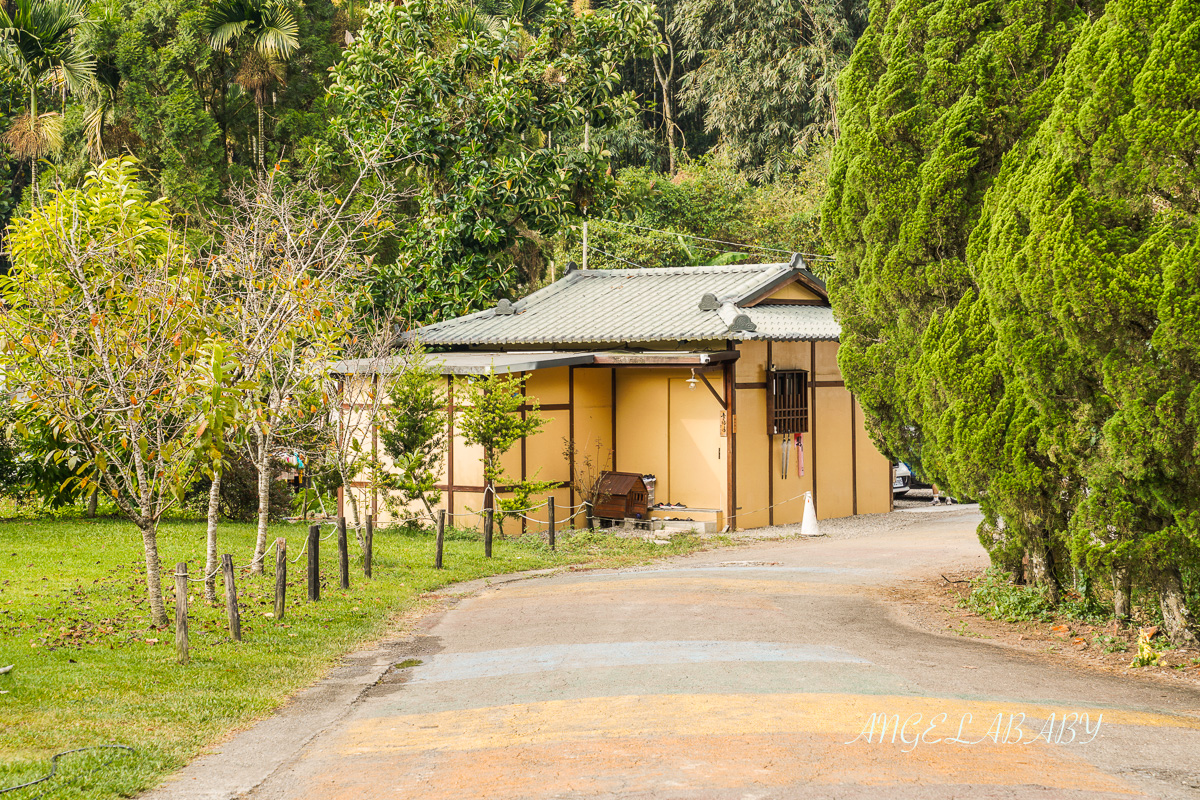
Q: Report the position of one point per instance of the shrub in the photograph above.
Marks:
(239, 493)
(994, 596)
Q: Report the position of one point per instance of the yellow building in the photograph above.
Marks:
(721, 382)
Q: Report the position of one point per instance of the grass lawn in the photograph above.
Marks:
(89, 670)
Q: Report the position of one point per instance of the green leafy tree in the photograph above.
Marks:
(105, 338)
(766, 73)
(521, 499)
(414, 435)
(156, 94)
(288, 258)
(708, 213)
(490, 416)
(39, 43)
(486, 124)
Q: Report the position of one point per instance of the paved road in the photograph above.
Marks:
(775, 670)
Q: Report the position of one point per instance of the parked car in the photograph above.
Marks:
(905, 480)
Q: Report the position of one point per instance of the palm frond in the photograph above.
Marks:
(224, 33)
(40, 39)
(93, 126)
(279, 34)
(270, 27)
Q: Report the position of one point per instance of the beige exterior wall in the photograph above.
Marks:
(670, 430)
(679, 434)
(683, 436)
(851, 476)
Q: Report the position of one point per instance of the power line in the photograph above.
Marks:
(744, 247)
(618, 258)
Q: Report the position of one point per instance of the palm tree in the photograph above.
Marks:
(38, 43)
(526, 13)
(271, 32)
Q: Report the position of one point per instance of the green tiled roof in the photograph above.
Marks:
(630, 306)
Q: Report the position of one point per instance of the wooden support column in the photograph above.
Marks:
(181, 611)
(770, 402)
(571, 435)
(524, 522)
(613, 399)
(853, 456)
(812, 415)
(730, 443)
(450, 447)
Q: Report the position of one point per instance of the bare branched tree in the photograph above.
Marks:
(290, 255)
(359, 386)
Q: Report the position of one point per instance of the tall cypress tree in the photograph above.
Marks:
(935, 95)
(1088, 253)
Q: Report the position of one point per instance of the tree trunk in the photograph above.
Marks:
(158, 610)
(669, 115)
(428, 508)
(263, 463)
(259, 156)
(1122, 580)
(349, 499)
(214, 516)
(1017, 570)
(1177, 619)
(665, 77)
(1041, 564)
(33, 122)
(93, 498)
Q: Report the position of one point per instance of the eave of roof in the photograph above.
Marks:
(482, 362)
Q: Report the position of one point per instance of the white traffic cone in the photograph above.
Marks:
(808, 527)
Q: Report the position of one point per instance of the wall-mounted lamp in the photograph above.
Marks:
(692, 381)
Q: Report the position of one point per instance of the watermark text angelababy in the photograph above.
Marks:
(1016, 729)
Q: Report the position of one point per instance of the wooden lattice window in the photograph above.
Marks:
(787, 393)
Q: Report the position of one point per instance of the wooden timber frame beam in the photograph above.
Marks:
(724, 401)
(853, 455)
(728, 370)
(770, 402)
(443, 487)
(812, 416)
(613, 424)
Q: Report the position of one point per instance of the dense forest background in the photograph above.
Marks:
(682, 119)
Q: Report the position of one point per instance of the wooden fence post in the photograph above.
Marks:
(181, 609)
(587, 510)
(550, 511)
(441, 538)
(343, 553)
(369, 545)
(487, 533)
(314, 563)
(281, 565)
(231, 604)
